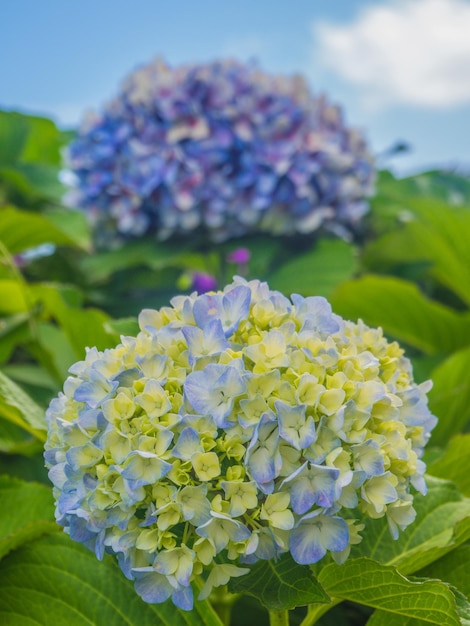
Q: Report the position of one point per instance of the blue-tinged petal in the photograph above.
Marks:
(315, 535)
(312, 484)
(152, 587)
(144, 468)
(207, 341)
(83, 456)
(315, 314)
(95, 390)
(183, 598)
(212, 391)
(230, 308)
(188, 443)
(294, 427)
(263, 458)
(368, 458)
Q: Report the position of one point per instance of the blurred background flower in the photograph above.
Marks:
(221, 149)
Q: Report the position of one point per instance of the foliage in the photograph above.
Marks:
(409, 273)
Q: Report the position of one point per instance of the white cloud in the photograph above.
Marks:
(413, 52)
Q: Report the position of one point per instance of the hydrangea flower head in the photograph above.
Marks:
(236, 426)
(223, 149)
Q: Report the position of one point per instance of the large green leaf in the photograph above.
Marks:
(403, 312)
(442, 523)
(449, 465)
(71, 222)
(54, 581)
(13, 134)
(13, 331)
(281, 584)
(437, 234)
(317, 272)
(13, 297)
(149, 252)
(15, 440)
(17, 407)
(449, 399)
(54, 351)
(452, 568)
(382, 587)
(383, 618)
(22, 230)
(85, 328)
(28, 512)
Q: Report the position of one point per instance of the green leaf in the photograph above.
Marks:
(13, 134)
(442, 523)
(382, 587)
(14, 330)
(317, 272)
(403, 312)
(150, 253)
(381, 618)
(54, 351)
(13, 298)
(72, 223)
(17, 407)
(452, 568)
(43, 142)
(449, 399)
(127, 326)
(85, 329)
(23, 230)
(29, 374)
(438, 234)
(14, 440)
(30, 513)
(449, 465)
(54, 581)
(281, 584)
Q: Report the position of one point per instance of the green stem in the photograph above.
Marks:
(279, 618)
(315, 611)
(222, 602)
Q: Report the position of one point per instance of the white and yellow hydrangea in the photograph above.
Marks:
(236, 426)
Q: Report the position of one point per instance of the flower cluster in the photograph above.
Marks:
(222, 148)
(236, 426)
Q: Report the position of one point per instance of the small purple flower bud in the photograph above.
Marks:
(240, 256)
(203, 282)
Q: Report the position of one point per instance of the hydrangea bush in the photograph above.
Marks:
(236, 426)
(223, 149)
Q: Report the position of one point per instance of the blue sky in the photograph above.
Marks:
(399, 68)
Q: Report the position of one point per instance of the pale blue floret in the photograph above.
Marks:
(315, 535)
(154, 366)
(195, 507)
(368, 458)
(294, 427)
(213, 390)
(95, 390)
(221, 529)
(315, 314)
(152, 586)
(263, 458)
(83, 456)
(188, 443)
(312, 484)
(230, 308)
(144, 468)
(207, 341)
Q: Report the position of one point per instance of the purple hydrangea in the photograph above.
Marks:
(220, 148)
